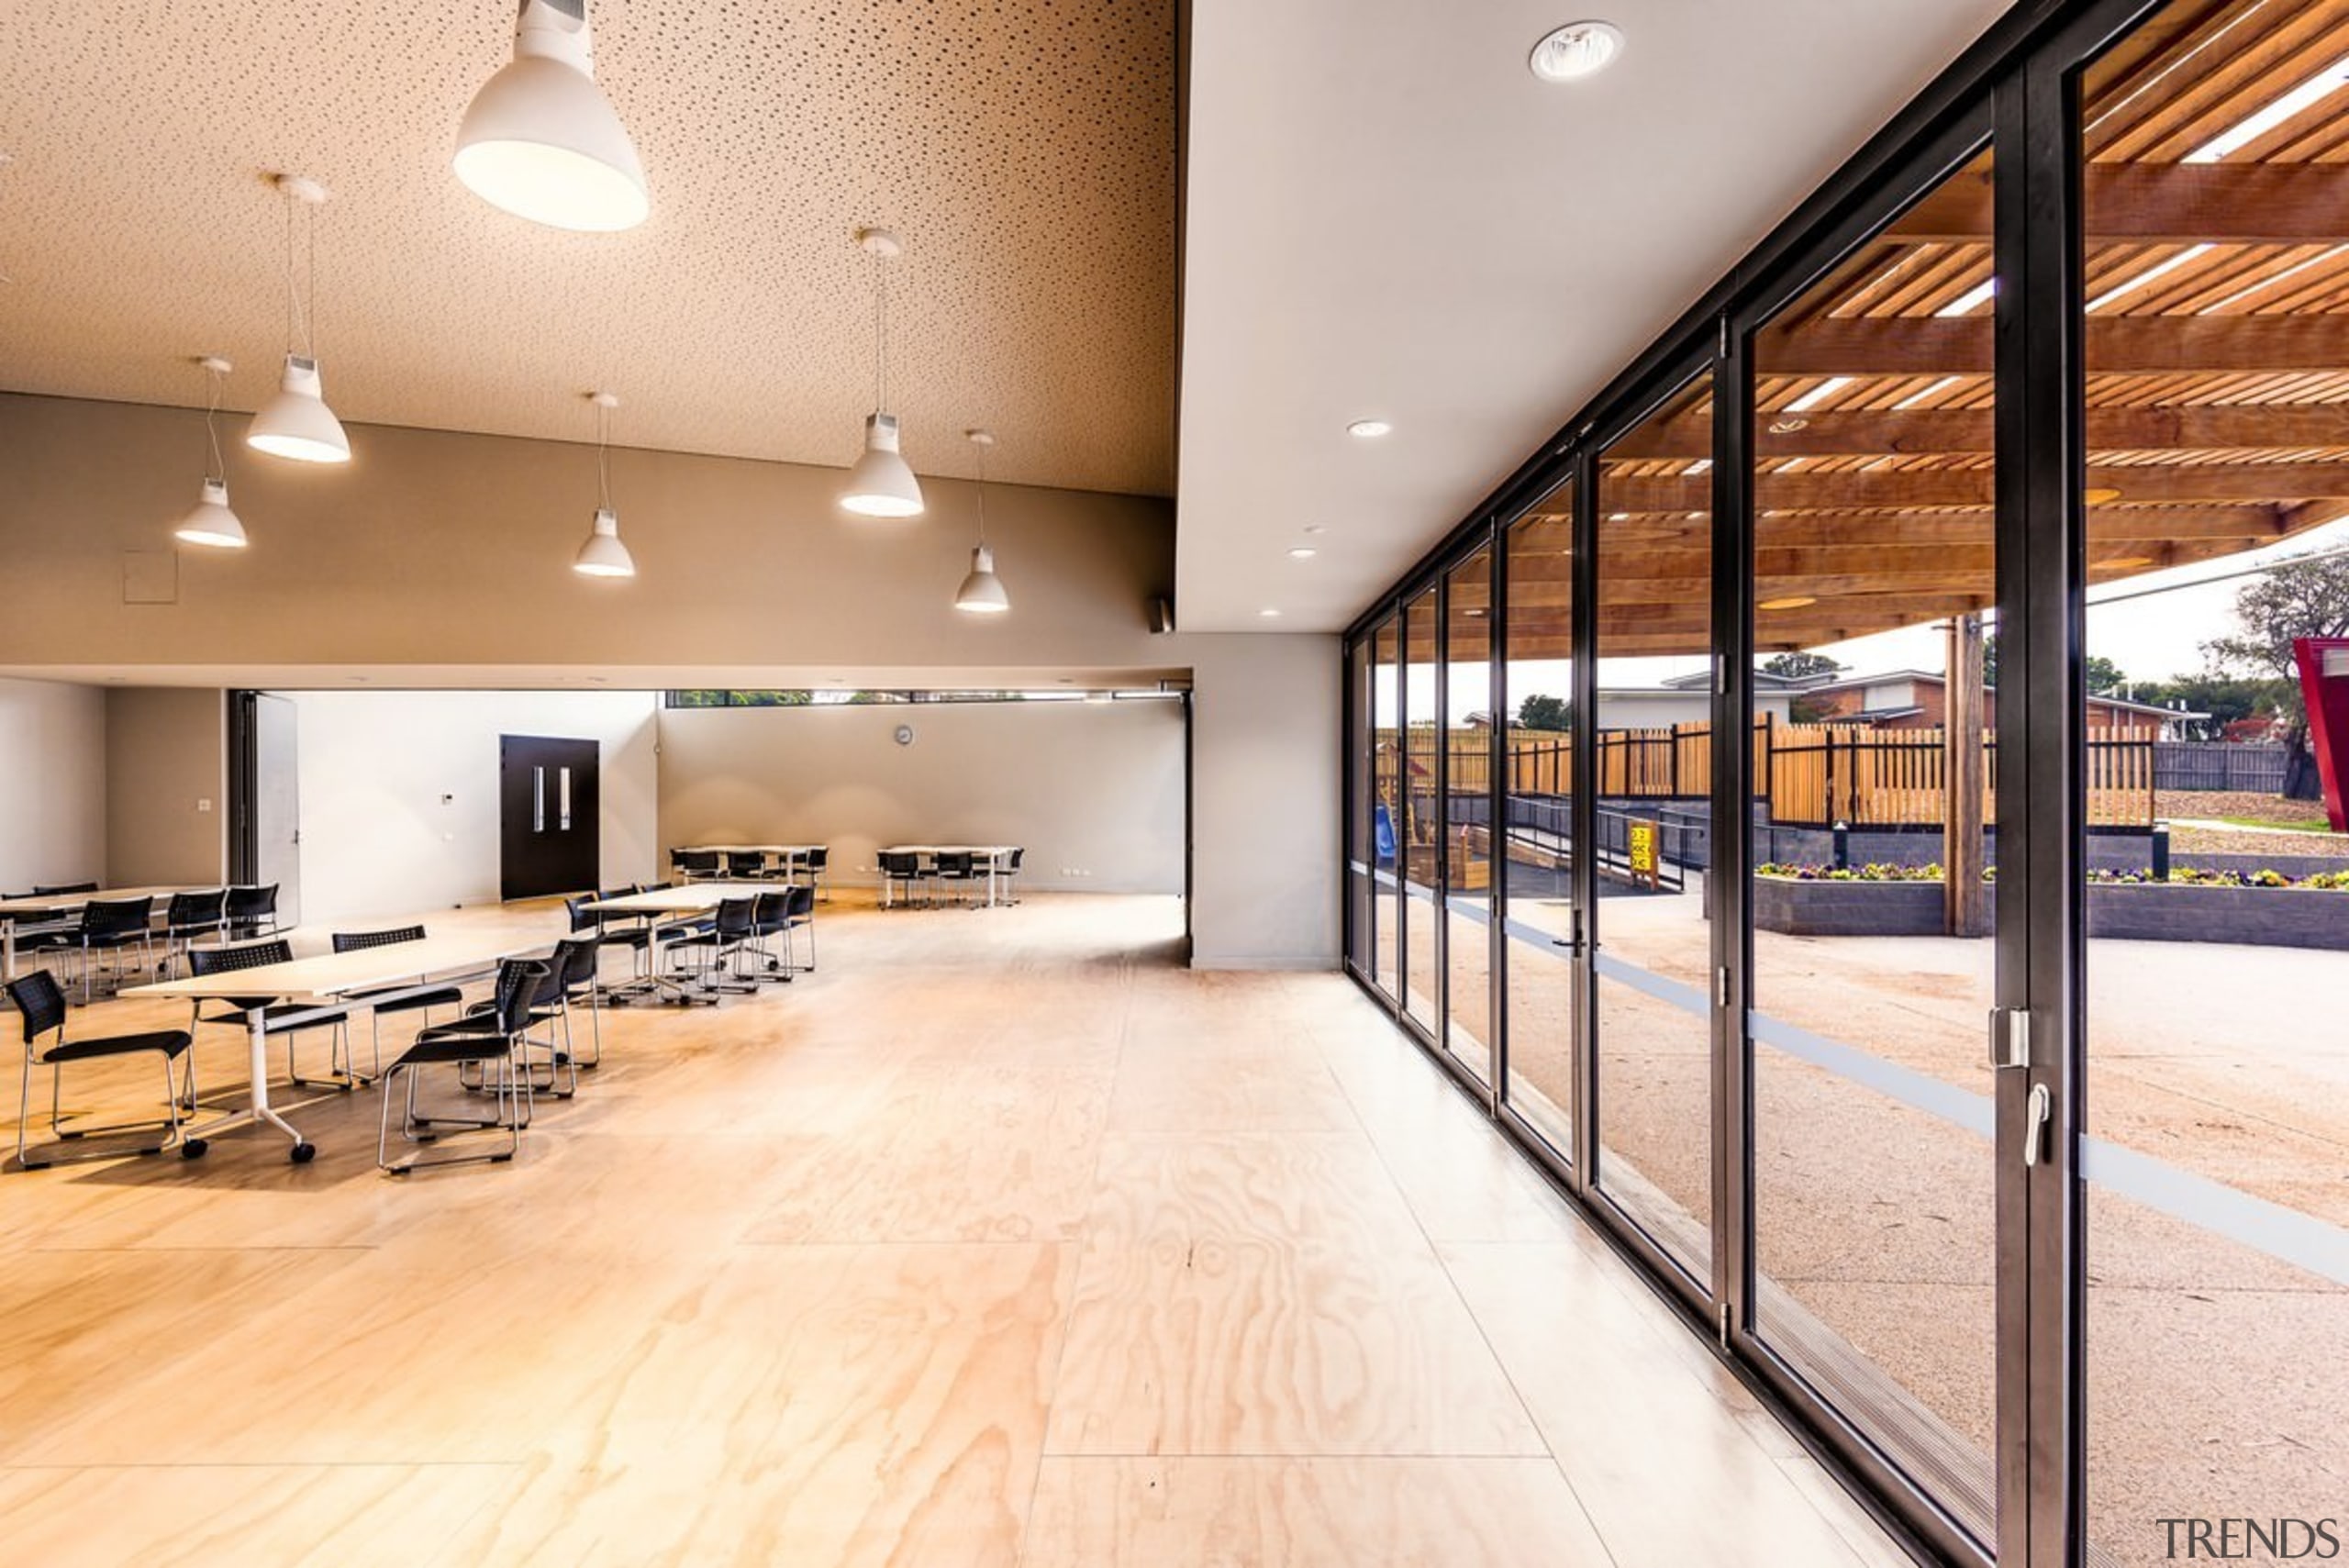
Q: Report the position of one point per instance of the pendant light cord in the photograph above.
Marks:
(602, 460)
(983, 497)
(219, 470)
(299, 265)
(880, 335)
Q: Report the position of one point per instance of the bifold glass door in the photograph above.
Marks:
(1651, 849)
(1870, 896)
(1540, 928)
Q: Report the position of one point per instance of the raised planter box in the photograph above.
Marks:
(1847, 908)
(2257, 917)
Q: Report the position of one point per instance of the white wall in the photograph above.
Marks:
(378, 840)
(52, 784)
(1093, 787)
(1264, 796)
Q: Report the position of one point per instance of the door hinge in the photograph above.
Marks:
(1724, 1318)
(2010, 1036)
(1720, 987)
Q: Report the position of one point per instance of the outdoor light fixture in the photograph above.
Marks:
(982, 591)
(1791, 602)
(211, 522)
(880, 485)
(1577, 51)
(541, 141)
(297, 423)
(603, 554)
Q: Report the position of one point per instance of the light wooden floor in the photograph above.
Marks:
(1001, 1239)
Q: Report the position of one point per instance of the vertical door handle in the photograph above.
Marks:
(2038, 1111)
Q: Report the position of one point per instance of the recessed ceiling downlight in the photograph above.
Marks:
(1369, 430)
(1577, 51)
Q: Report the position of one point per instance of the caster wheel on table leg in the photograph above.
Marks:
(304, 1152)
(194, 1148)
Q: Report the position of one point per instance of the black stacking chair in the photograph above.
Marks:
(695, 866)
(391, 999)
(41, 1005)
(898, 870)
(63, 889)
(626, 931)
(189, 915)
(723, 946)
(110, 925)
(578, 965)
(771, 917)
(1008, 876)
(252, 912)
(287, 1019)
(960, 868)
(816, 861)
(799, 915)
(494, 1044)
(745, 865)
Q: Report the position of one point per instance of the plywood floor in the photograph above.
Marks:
(1000, 1240)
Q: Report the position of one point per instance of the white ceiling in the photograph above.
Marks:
(1387, 215)
(1023, 150)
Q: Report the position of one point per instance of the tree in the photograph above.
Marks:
(2306, 597)
(1539, 711)
(2225, 698)
(2101, 674)
(1797, 665)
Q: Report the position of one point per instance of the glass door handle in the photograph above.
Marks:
(2037, 1113)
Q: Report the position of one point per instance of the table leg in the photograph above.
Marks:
(261, 1115)
(7, 950)
(258, 1036)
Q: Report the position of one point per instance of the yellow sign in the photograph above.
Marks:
(1644, 860)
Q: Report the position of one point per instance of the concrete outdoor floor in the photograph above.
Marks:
(2217, 1377)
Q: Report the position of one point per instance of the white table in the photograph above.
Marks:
(686, 901)
(329, 979)
(992, 855)
(39, 911)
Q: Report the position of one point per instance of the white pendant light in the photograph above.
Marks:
(541, 141)
(880, 485)
(297, 423)
(982, 591)
(209, 521)
(603, 554)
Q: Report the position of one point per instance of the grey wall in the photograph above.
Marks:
(1093, 792)
(1265, 775)
(438, 549)
(52, 784)
(167, 786)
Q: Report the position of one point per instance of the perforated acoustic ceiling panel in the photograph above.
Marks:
(1023, 150)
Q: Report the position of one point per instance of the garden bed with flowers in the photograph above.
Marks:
(2262, 908)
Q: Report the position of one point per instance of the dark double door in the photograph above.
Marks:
(548, 822)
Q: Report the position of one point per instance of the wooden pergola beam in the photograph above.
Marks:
(1858, 346)
(1892, 489)
(2243, 526)
(2180, 204)
(1892, 432)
